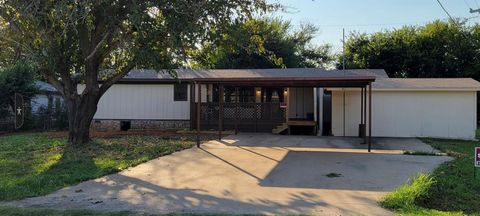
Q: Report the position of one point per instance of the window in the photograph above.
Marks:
(180, 92)
(245, 94)
(125, 125)
(275, 95)
(212, 92)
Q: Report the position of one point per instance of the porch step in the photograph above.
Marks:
(280, 128)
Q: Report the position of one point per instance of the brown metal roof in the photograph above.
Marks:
(190, 74)
(426, 83)
(290, 77)
(300, 77)
(350, 81)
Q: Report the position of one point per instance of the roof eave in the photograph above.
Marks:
(419, 89)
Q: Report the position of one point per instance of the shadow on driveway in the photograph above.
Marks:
(356, 171)
(253, 174)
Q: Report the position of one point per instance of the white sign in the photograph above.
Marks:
(477, 156)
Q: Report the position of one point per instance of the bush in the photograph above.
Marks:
(51, 117)
(18, 78)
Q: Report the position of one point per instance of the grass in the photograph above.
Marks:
(36, 164)
(450, 190)
(406, 195)
(424, 153)
(14, 211)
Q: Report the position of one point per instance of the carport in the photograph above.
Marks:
(336, 79)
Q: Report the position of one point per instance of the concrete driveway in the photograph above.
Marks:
(256, 173)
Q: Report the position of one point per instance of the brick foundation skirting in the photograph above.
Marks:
(114, 125)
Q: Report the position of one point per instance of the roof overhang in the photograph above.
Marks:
(356, 81)
(353, 82)
(416, 89)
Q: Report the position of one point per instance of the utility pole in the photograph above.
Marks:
(343, 67)
(475, 11)
(343, 48)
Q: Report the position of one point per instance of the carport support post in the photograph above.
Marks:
(369, 117)
(199, 107)
(365, 115)
(361, 113)
(361, 105)
(192, 106)
(220, 112)
(236, 110)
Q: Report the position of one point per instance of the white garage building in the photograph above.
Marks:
(293, 101)
(412, 108)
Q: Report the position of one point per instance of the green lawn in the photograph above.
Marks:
(12, 211)
(35, 164)
(450, 190)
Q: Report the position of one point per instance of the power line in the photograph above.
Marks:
(466, 3)
(472, 17)
(339, 25)
(368, 25)
(474, 11)
(441, 5)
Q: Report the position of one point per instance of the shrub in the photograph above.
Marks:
(51, 117)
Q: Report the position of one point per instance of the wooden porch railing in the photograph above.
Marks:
(250, 117)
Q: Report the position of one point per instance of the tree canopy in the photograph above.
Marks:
(18, 78)
(438, 49)
(95, 42)
(264, 43)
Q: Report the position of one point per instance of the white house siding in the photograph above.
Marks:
(145, 101)
(403, 113)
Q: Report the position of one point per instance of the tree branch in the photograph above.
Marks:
(112, 80)
(97, 47)
(56, 83)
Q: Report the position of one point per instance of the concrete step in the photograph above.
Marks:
(280, 128)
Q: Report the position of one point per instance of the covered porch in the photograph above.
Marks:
(226, 106)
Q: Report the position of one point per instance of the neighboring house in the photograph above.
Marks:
(47, 107)
(47, 95)
(293, 101)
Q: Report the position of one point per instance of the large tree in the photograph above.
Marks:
(438, 49)
(264, 43)
(97, 42)
(10, 51)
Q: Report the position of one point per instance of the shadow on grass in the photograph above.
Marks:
(75, 165)
(39, 167)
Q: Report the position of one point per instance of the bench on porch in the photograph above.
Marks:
(302, 123)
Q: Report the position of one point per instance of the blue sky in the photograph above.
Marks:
(330, 16)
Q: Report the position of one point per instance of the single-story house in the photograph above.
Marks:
(293, 101)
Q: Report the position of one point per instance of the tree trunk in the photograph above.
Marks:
(81, 110)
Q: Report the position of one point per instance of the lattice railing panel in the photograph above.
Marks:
(249, 116)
